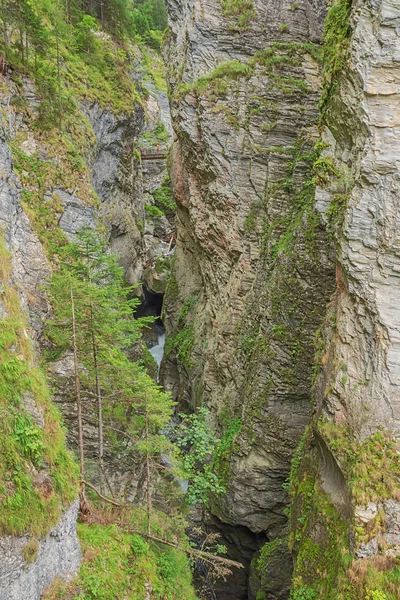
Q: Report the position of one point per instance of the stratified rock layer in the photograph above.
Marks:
(254, 266)
(363, 132)
(350, 463)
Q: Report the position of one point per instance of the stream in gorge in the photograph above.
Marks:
(157, 351)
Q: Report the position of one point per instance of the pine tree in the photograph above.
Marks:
(105, 327)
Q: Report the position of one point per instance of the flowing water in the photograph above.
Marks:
(157, 352)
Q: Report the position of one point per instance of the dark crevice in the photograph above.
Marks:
(151, 306)
(241, 544)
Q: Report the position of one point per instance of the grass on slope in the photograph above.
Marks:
(38, 476)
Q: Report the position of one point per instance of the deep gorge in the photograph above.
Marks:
(241, 167)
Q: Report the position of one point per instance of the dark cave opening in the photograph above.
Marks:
(242, 544)
(151, 306)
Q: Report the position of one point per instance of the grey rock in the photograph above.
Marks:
(58, 555)
(231, 154)
(243, 248)
(32, 409)
(30, 267)
(77, 214)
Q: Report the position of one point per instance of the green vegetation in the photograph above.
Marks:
(153, 212)
(183, 341)
(37, 177)
(336, 45)
(118, 564)
(153, 68)
(372, 468)
(223, 451)
(159, 135)
(72, 51)
(242, 12)
(38, 477)
(92, 314)
(250, 221)
(200, 445)
(217, 81)
(320, 535)
(268, 562)
(270, 60)
(163, 198)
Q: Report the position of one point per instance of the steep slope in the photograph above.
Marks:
(254, 265)
(69, 158)
(38, 477)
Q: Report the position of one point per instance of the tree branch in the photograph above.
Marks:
(101, 495)
(199, 553)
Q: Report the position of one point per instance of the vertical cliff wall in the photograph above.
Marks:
(254, 265)
(346, 509)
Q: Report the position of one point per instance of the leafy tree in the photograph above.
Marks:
(83, 33)
(198, 443)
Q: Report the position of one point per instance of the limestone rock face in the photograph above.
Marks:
(58, 554)
(253, 268)
(357, 401)
(30, 266)
(363, 130)
(116, 178)
(357, 391)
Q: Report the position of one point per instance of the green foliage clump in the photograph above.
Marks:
(163, 198)
(372, 468)
(250, 221)
(304, 592)
(153, 68)
(199, 445)
(152, 211)
(242, 11)
(124, 565)
(26, 503)
(221, 459)
(217, 81)
(159, 135)
(336, 44)
(183, 341)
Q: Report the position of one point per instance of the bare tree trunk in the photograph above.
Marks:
(21, 41)
(27, 49)
(78, 400)
(5, 36)
(99, 401)
(59, 83)
(148, 490)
